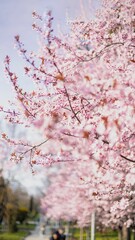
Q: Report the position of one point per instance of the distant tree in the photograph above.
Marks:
(13, 204)
(8, 205)
(3, 198)
(31, 204)
(22, 214)
(11, 217)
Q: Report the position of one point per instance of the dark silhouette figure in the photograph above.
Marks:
(61, 234)
(55, 236)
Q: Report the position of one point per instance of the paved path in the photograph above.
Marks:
(37, 235)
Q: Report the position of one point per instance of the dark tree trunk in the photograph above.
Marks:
(120, 233)
(128, 233)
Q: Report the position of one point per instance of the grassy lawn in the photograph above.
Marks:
(108, 235)
(23, 230)
(26, 227)
(13, 236)
(111, 235)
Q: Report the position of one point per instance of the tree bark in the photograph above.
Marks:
(120, 233)
(81, 233)
(128, 233)
(124, 232)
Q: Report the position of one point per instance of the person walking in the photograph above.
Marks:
(55, 235)
(62, 234)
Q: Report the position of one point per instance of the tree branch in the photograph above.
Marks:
(35, 146)
(126, 158)
(71, 105)
(121, 155)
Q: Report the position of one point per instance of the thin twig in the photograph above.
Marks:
(34, 147)
(71, 105)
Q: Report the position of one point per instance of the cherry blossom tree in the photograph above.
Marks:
(84, 98)
(82, 104)
(72, 197)
(65, 196)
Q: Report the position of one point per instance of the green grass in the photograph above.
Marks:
(13, 236)
(108, 235)
(26, 227)
(23, 230)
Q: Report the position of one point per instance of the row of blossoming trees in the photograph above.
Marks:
(83, 105)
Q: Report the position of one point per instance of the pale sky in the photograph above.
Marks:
(16, 18)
